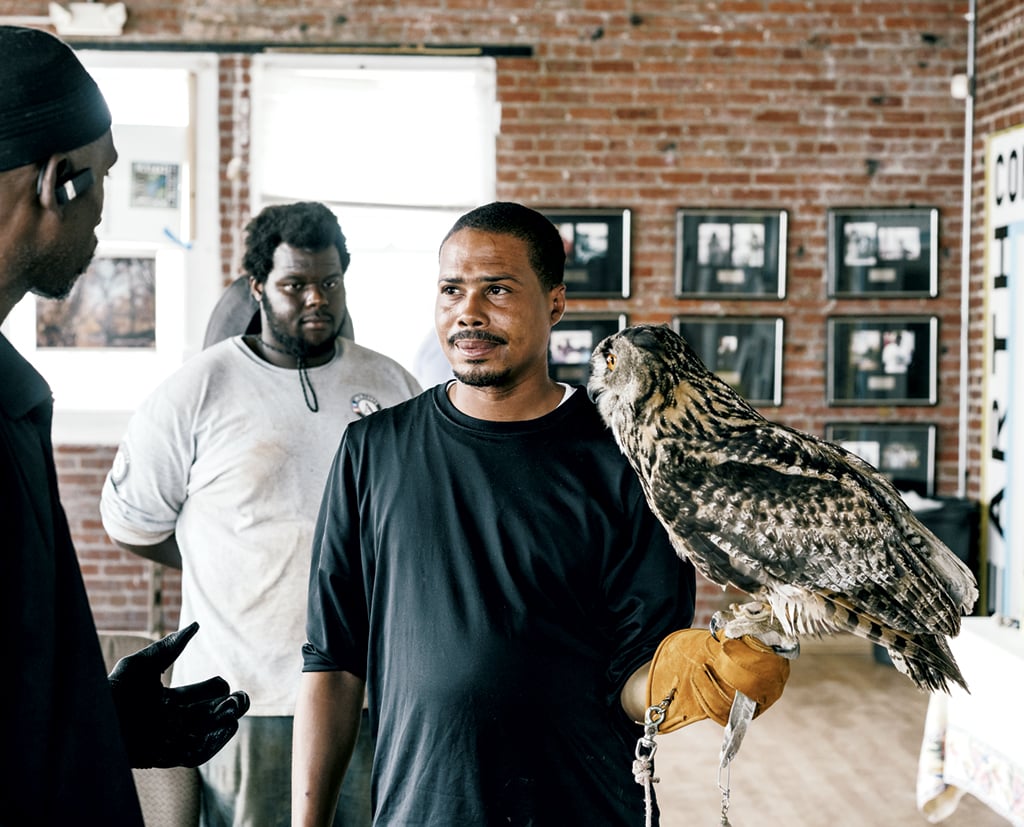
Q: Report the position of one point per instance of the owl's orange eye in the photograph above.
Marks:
(609, 361)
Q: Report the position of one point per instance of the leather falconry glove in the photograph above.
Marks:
(706, 672)
(164, 727)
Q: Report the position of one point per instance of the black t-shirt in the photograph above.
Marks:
(496, 583)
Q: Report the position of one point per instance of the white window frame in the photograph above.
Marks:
(393, 240)
(96, 391)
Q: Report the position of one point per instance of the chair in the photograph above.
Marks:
(169, 797)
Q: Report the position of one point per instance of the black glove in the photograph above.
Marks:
(181, 727)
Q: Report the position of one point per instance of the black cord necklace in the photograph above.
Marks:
(308, 391)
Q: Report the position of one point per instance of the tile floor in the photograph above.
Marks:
(840, 749)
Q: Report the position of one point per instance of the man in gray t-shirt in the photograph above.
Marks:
(221, 473)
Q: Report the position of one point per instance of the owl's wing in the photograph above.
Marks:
(770, 505)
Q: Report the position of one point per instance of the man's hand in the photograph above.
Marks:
(703, 673)
(181, 727)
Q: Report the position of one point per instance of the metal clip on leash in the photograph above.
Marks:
(725, 796)
(643, 763)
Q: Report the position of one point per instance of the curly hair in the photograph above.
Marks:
(546, 251)
(306, 225)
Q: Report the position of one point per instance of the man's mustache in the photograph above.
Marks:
(478, 335)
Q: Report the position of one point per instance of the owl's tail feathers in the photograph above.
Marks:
(926, 660)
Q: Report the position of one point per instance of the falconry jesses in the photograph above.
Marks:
(800, 524)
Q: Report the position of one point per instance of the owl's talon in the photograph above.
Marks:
(757, 620)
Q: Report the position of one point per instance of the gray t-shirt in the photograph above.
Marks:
(226, 455)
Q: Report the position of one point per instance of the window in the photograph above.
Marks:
(164, 109)
(398, 147)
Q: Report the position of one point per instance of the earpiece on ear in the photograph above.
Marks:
(70, 184)
(75, 185)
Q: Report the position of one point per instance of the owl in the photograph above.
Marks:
(807, 529)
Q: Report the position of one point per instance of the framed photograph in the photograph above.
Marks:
(731, 253)
(119, 333)
(149, 192)
(154, 184)
(112, 305)
(891, 360)
(573, 341)
(745, 352)
(883, 252)
(596, 250)
(903, 452)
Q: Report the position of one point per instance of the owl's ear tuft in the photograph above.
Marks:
(647, 337)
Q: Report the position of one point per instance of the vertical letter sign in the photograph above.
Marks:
(1002, 483)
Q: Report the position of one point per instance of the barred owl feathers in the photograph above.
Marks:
(795, 521)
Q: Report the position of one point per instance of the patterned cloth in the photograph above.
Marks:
(971, 743)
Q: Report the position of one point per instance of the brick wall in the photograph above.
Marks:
(668, 103)
(119, 584)
(233, 111)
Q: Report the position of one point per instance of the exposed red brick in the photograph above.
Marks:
(729, 103)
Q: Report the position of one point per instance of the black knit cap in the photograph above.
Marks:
(48, 102)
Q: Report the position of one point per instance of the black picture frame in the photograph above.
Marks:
(746, 352)
(882, 359)
(891, 251)
(573, 341)
(903, 452)
(597, 252)
(731, 254)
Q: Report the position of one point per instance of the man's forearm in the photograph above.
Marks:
(634, 694)
(165, 552)
(327, 716)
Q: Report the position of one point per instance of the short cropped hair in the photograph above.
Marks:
(546, 250)
(306, 225)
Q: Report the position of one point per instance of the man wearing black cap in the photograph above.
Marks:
(68, 733)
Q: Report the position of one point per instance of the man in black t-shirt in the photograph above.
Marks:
(486, 567)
